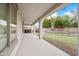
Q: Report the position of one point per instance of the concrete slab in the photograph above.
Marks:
(31, 45)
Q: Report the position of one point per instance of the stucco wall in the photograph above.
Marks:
(19, 26)
(19, 33)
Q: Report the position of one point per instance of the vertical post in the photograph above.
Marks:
(34, 30)
(22, 26)
(78, 28)
(40, 29)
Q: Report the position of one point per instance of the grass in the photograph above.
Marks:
(66, 39)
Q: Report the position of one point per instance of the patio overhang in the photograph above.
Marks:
(31, 13)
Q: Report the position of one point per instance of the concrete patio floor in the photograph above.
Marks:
(31, 45)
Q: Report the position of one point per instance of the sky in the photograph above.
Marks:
(65, 10)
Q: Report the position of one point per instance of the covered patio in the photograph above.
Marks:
(28, 44)
(31, 46)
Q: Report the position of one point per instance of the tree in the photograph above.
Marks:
(61, 21)
(74, 22)
(47, 23)
(66, 21)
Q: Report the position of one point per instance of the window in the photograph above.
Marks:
(3, 25)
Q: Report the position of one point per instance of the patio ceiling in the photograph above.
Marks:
(32, 12)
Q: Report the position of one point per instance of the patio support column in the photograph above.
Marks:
(22, 26)
(40, 29)
(78, 29)
(34, 29)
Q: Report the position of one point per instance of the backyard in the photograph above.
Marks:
(68, 40)
(61, 29)
(67, 44)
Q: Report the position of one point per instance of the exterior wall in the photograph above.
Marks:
(11, 16)
(19, 27)
(19, 34)
(13, 23)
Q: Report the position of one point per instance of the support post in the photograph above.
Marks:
(40, 29)
(34, 30)
(78, 28)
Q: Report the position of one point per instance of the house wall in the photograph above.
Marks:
(19, 34)
(12, 31)
(19, 27)
(13, 23)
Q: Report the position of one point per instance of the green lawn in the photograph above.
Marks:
(69, 40)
